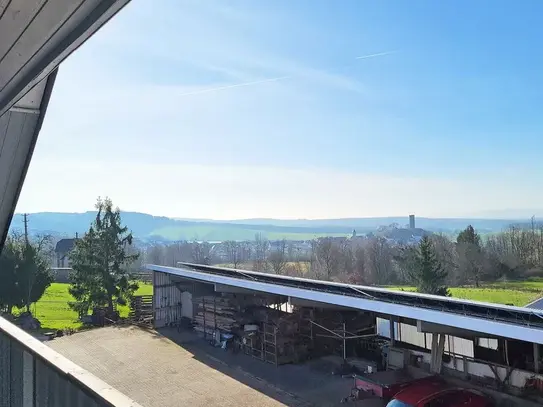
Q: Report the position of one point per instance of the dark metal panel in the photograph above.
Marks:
(41, 385)
(16, 18)
(4, 122)
(28, 379)
(5, 371)
(35, 36)
(32, 371)
(53, 389)
(15, 134)
(17, 384)
(3, 6)
(45, 24)
(13, 175)
(71, 34)
(18, 136)
(49, 385)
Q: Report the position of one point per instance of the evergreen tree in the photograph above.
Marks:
(100, 263)
(425, 270)
(470, 254)
(470, 236)
(9, 297)
(33, 275)
(24, 272)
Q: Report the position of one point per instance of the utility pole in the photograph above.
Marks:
(25, 220)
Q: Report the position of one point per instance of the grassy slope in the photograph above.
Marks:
(53, 312)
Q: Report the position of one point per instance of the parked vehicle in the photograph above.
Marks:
(435, 394)
(386, 384)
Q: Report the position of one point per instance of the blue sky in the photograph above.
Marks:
(234, 109)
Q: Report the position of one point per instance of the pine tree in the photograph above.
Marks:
(24, 272)
(100, 263)
(33, 275)
(9, 296)
(469, 235)
(471, 256)
(425, 270)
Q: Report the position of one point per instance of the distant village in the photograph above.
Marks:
(324, 256)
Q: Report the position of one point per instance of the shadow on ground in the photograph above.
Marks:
(308, 384)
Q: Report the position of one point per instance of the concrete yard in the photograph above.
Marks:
(173, 369)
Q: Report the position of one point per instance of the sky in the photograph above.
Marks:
(299, 109)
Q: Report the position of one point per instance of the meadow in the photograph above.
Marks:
(54, 313)
(518, 293)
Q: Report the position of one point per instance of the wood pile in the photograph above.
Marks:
(215, 313)
(141, 310)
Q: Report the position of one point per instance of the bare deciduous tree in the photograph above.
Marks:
(261, 246)
(379, 261)
(155, 255)
(277, 257)
(448, 257)
(327, 256)
(231, 248)
(201, 252)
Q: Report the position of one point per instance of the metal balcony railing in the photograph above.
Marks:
(34, 375)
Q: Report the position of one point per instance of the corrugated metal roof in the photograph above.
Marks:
(490, 319)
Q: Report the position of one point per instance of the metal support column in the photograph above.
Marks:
(438, 347)
(537, 368)
(392, 332)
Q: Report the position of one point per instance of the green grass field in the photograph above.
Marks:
(519, 293)
(53, 312)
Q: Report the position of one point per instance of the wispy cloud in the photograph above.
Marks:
(280, 78)
(224, 40)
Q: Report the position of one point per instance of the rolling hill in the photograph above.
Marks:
(148, 227)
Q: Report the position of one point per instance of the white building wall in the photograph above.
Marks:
(516, 379)
(187, 305)
(460, 350)
(383, 328)
(409, 334)
(166, 300)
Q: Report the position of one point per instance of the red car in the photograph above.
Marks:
(433, 394)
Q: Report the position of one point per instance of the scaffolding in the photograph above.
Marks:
(270, 343)
(340, 333)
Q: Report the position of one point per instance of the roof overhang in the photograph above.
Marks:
(19, 129)
(35, 37)
(487, 327)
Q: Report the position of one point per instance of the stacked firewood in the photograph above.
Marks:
(215, 313)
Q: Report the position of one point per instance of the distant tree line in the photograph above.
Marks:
(433, 264)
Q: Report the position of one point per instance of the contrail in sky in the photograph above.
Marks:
(279, 78)
(237, 85)
(380, 54)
